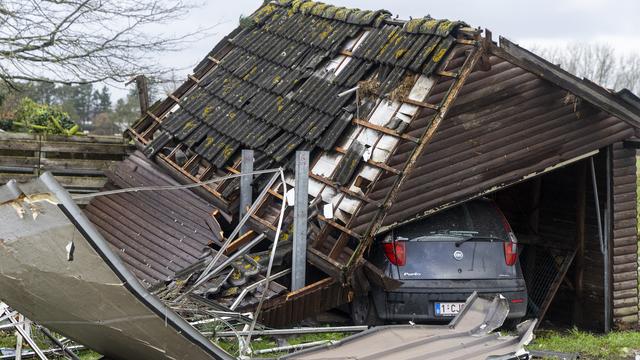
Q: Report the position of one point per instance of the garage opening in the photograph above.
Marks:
(555, 220)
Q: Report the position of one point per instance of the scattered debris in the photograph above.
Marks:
(94, 300)
(468, 336)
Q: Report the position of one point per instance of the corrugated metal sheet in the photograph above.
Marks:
(625, 236)
(516, 125)
(59, 271)
(156, 233)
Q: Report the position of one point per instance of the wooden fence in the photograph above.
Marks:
(78, 162)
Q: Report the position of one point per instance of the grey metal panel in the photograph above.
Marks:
(468, 336)
(87, 293)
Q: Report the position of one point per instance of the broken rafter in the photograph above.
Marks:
(339, 227)
(376, 222)
(385, 130)
(343, 189)
(373, 163)
(422, 103)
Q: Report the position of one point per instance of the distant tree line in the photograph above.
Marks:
(88, 106)
(599, 63)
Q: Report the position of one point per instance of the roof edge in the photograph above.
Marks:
(619, 106)
(375, 18)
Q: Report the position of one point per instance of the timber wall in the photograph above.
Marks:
(625, 237)
(78, 162)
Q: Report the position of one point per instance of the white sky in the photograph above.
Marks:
(529, 23)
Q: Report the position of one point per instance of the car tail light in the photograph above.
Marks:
(510, 246)
(517, 301)
(511, 252)
(395, 252)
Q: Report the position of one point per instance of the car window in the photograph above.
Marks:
(478, 217)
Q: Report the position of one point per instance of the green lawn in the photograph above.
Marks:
(617, 345)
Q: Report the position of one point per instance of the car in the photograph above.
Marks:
(441, 260)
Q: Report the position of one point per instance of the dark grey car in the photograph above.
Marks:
(441, 260)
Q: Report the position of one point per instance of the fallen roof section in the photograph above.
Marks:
(468, 336)
(58, 270)
(156, 233)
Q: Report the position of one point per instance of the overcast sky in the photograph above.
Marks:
(529, 23)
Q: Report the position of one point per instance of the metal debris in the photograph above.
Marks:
(94, 300)
(469, 336)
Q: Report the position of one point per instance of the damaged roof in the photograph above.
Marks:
(156, 233)
(402, 118)
(272, 91)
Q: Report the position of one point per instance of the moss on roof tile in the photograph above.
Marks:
(263, 12)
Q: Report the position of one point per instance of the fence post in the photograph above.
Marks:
(300, 210)
(246, 191)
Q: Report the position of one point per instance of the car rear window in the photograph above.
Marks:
(479, 217)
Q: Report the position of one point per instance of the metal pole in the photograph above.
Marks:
(246, 192)
(601, 237)
(65, 349)
(295, 331)
(24, 334)
(607, 239)
(301, 207)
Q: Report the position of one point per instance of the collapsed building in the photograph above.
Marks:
(402, 119)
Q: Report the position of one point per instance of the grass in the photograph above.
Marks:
(617, 345)
(231, 345)
(8, 340)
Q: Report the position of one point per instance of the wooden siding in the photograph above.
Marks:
(78, 162)
(625, 237)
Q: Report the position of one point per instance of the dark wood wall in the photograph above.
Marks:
(545, 213)
(625, 237)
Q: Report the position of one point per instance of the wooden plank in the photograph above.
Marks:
(447, 73)
(339, 227)
(421, 103)
(626, 311)
(88, 148)
(46, 163)
(343, 189)
(237, 243)
(81, 181)
(555, 285)
(18, 161)
(373, 163)
(385, 130)
(23, 145)
(310, 288)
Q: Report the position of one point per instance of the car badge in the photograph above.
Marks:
(458, 255)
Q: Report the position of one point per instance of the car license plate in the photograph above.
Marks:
(448, 309)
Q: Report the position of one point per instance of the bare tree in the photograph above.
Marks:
(597, 62)
(86, 41)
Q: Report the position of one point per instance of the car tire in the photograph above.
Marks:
(363, 311)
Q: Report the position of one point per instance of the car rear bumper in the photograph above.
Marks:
(418, 304)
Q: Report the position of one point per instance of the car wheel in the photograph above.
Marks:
(363, 311)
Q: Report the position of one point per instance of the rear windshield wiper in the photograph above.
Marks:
(491, 238)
